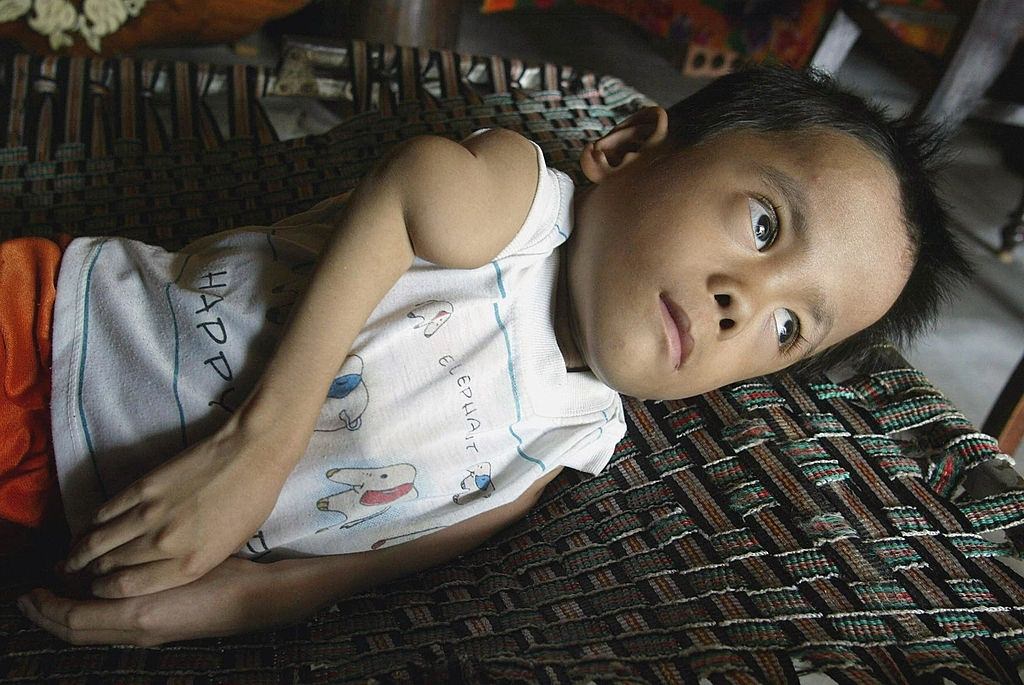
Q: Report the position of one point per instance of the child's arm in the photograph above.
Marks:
(453, 204)
(241, 596)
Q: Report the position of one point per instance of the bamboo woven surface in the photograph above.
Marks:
(167, 152)
(769, 529)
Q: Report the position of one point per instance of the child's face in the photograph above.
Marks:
(695, 230)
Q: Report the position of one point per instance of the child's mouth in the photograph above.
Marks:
(677, 329)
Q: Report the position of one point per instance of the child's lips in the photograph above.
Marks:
(677, 329)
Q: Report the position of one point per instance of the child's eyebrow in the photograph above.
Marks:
(796, 201)
(794, 196)
(824, 319)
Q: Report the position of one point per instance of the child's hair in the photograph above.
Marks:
(773, 98)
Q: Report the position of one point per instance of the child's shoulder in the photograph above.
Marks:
(514, 159)
(463, 202)
(502, 143)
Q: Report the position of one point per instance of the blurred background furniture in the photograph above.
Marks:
(954, 74)
(953, 70)
(425, 23)
(118, 27)
(1013, 232)
(708, 38)
(772, 529)
(1006, 420)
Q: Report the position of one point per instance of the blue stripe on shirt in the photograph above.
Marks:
(501, 284)
(177, 360)
(81, 373)
(515, 390)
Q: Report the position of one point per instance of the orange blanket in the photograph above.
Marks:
(28, 280)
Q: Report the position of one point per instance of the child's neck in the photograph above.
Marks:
(563, 313)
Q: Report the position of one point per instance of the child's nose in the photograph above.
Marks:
(732, 310)
(724, 300)
(739, 296)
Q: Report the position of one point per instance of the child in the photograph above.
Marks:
(471, 321)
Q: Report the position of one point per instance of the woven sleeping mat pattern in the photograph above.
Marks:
(168, 152)
(758, 533)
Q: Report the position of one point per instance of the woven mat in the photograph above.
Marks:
(764, 531)
(168, 152)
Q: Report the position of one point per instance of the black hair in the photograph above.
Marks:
(780, 99)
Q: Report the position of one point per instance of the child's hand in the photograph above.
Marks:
(236, 596)
(183, 518)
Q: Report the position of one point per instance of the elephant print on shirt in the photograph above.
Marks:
(370, 493)
(432, 314)
(347, 399)
(477, 484)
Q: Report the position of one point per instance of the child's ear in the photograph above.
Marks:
(616, 149)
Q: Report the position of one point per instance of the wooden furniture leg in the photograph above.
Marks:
(412, 23)
(1013, 232)
(1006, 420)
(425, 23)
(836, 43)
(978, 50)
(983, 49)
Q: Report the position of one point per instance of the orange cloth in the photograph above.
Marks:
(29, 495)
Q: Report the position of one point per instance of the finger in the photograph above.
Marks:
(75, 621)
(138, 551)
(125, 500)
(144, 579)
(111, 535)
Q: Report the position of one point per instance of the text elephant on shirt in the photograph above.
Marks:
(347, 399)
(371, 491)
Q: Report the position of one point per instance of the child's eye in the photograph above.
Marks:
(763, 222)
(787, 326)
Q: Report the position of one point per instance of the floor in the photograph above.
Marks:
(980, 337)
